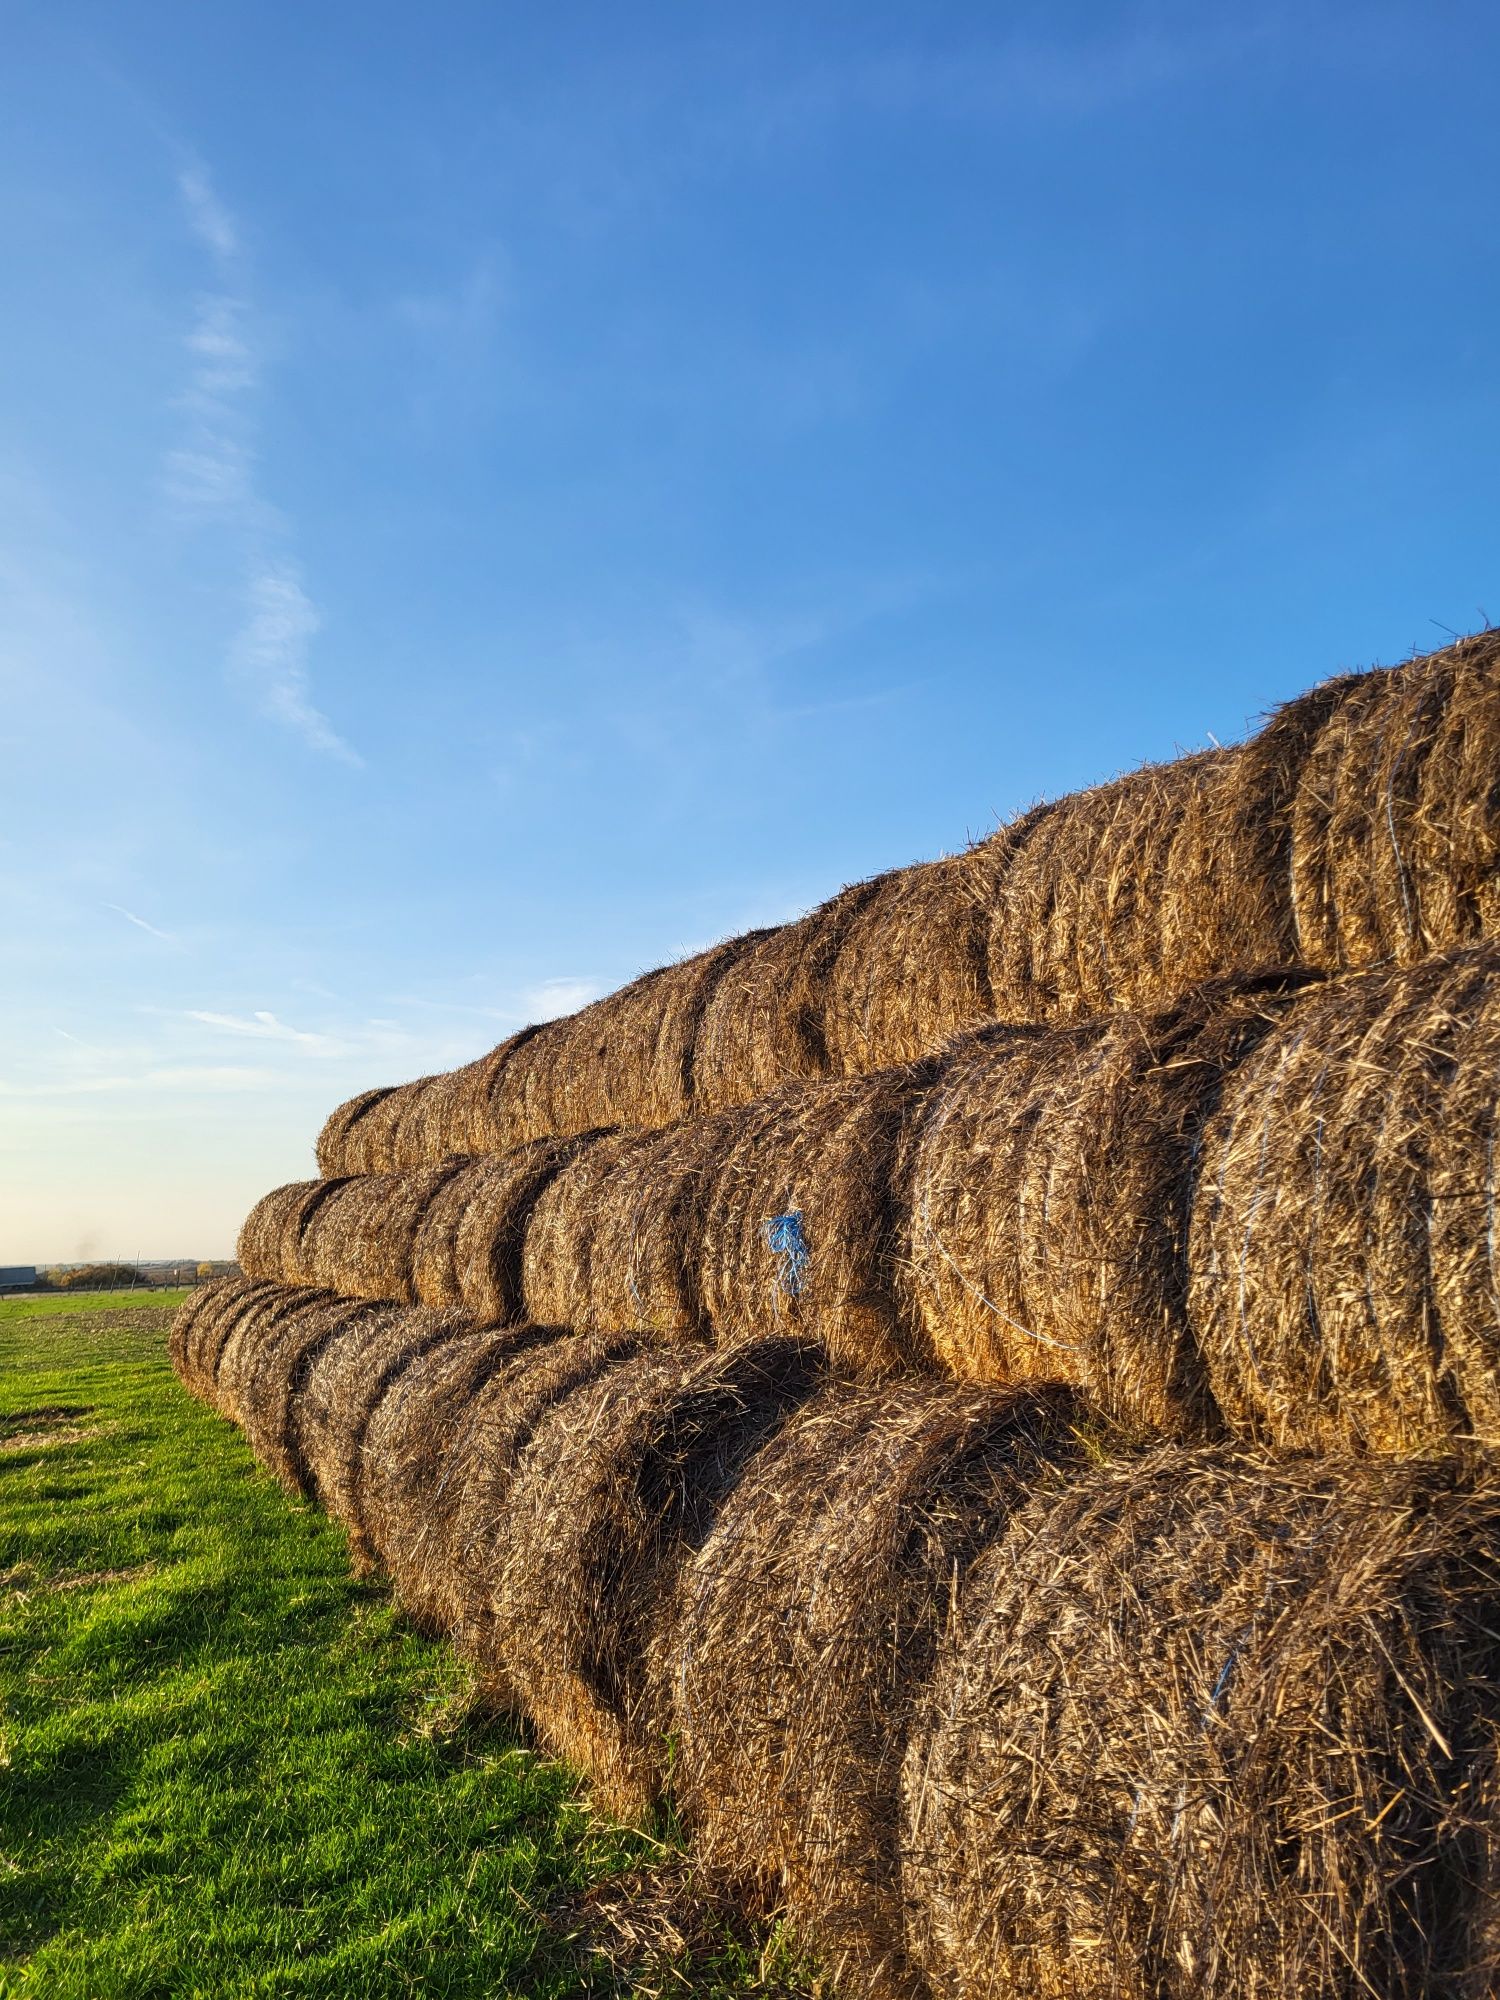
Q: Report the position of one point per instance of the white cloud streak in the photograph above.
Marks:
(209, 219)
(184, 1076)
(211, 477)
(552, 997)
(140, 924)
(263, 1026)
(269, 658)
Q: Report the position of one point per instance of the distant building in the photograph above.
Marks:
(17, 1277)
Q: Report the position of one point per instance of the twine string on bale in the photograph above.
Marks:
(788, 1245)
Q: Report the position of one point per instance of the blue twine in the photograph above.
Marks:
(787, 1244)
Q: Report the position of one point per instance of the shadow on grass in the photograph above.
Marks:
(52, 1803)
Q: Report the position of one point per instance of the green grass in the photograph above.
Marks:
(226, 1767)
(35, 1305)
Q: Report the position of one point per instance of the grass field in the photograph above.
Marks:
(227, 1767)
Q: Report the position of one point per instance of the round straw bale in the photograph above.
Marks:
(981, 1267)
(1052, 1210)
(823, 1161)
(200, 1326)
(353, 1372)
(268, 1238)
(272, 1374)
(197, 1311)
(476, 1126)
(254, 1298)
(457, 1113)
(340, 1150)
(765, 1021)
(1396, 829)
(559, 1231)
(492, 1227)
(649, 1216)
(264, 1308)
(1342, 1284)
(530, 1092)
(280, 1236)
(406, 1455)
(1337, 882)
(375, 1142)
(803, 1632)
(1076, 928)
(629, 1057)
(1214, 1724)
(471, 1519)
(435, 1119)
(1053, 1186)
(436, 1267)
(362, 1240)
(912, 969)
(1226, 900)
(621, 1482)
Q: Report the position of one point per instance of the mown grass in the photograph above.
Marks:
(226, 1767)
(36, 1305)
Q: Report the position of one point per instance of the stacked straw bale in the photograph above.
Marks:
(990, 1700)
(1360, 825)
(620, 1484)
(912, 967)
(1211, 1724)
(408, 1492)
(1077, 917)
(804, 1631)
(1343, 1284)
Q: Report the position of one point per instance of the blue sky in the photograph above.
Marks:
(494, 497)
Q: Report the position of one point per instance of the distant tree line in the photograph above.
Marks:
(125, 1277)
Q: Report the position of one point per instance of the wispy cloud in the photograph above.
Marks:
(184, 1076)
(140, 924)
(211, 477)
(207, 215)
(551, 997)
(269, 658)
(263, 1026)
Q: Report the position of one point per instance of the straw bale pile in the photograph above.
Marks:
(1361, 824)
(985, 1399)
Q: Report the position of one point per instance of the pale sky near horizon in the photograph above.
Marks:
(492, 498)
